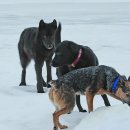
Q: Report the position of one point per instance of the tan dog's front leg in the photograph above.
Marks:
(55, 121)
(89, 98)
(56, 118)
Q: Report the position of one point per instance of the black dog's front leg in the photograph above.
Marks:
(106, 101)
(38, 68)
(48, 66)
(79, 104)
(43, 82)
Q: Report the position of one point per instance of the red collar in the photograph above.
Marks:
(75, 62)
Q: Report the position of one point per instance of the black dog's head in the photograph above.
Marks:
(65, 53)
(46, 34)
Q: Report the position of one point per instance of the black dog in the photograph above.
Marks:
(88, 81)
(70, 56)
(38, 44)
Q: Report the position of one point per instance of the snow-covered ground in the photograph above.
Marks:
(100, 24)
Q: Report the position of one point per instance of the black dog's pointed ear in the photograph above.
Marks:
(54, 24)
(59, 27)
(58, 35)
(41, 24)
(129, 78)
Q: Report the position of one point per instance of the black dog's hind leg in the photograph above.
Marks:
(79, 104)
(48, 66)
(23, 82)
(24, 63)
(38, 68)
(106, 101)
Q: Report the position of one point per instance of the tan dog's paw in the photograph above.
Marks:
(55, 128)
(63, 126)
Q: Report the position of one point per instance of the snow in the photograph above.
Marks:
(106, 119)
(100, 24)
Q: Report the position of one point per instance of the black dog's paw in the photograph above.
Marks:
(40, 91)
(82, 111)
(22, 84)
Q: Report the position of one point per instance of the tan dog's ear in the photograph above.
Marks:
(124, 77)
(129, 78)
(127, 83)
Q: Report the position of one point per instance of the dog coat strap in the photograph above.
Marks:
(114, 87)
(77, 58)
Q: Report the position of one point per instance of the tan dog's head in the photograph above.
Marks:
(123, 91)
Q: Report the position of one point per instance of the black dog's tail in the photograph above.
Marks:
(21, 44)
(58, 35)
